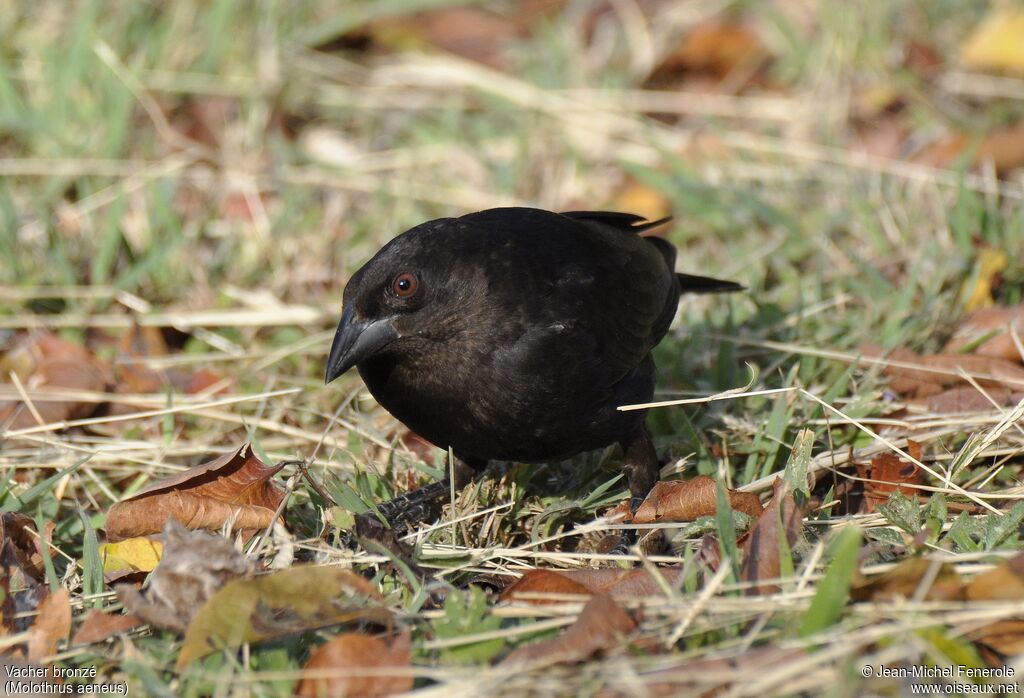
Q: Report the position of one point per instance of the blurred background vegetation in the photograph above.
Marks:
(859, 166)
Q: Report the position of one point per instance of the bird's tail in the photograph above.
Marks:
(689, 283)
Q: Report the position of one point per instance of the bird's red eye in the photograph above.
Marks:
(405, 284)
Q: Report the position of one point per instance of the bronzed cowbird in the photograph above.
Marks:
(514, 334)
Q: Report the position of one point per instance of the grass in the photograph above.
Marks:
(150, 168)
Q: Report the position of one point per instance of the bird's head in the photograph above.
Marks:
(407, 295)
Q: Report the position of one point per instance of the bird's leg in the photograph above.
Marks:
(640, 462)
(641, 465)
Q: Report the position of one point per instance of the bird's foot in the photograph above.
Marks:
(372, 533)
(400, 514)
(650, 541)
(413, 507)
(634, 504)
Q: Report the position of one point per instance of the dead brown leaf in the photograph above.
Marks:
(98, 626)
(686, 500)
(1002, 583)
(691, 676)
(45, 362)
(284, 602)
(888, 473)
(993, 325)
(600, 627)
(761, 544)
(903, 581)
(713, 51)
(616, 582)
(544, 582)
(420, 447)
(236, 487)
(479, 34)
(348, 654)
(31, 350)
(922, 383)
(1004, 636)
(1004, 148)
(194, 565)
(21, 592)
(25, 543)
(53, 624)
(134, 376)
(969, 399)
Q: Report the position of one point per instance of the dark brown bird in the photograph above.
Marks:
(514, 334)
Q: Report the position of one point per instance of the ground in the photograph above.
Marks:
(186, 187)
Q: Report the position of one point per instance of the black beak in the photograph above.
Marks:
(355, 341)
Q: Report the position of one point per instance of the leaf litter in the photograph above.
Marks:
(727, 56)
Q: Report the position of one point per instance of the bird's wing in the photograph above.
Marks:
(634, 294)
(626, 222)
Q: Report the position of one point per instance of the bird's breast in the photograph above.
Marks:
(526, 400)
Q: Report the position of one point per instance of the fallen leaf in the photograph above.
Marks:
(53, 624)
(710, 676)
(98, 626)
(643, 200)
(20, 594)
(882, 136)
(19, 531)
(130, 556)
(1004, 636)
(48, 364)
(193, 566)
(132, 375)
(616, 582)
(686, 500)
(888, 473)
(1005, 582)
(281, 603)
(478, 34)
(25, 355)
(902, 582)
(420, 447)
(922, 58)
(203, 119)
(990, 326)
(350, 653)
(236, 488)
(761, 545)
(601, 626)
(996, 44)
(991, 261)
(1003, 147)
(242, 205)
(710, 552)
(621, 512)
(921, 383)
(714, 51)
(544, 582)
(969, 399)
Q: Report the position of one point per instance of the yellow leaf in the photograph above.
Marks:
(281, 603)
(997, 43)
(977, 290)
(642, 200)
(131, 555)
